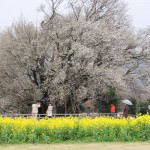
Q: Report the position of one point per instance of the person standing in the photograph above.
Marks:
(148, 108)
(49, 110)
(112, 109)
(35, 107)
(125, 110)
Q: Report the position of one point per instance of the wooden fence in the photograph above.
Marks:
(93, 115)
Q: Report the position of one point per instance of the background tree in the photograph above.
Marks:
(73, 56)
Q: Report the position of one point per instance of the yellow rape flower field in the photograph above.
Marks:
(74, 129)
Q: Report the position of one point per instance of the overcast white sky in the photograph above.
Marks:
(11, 10)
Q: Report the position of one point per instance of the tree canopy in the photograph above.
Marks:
(73, 56)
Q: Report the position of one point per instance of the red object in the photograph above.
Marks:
(112, 108)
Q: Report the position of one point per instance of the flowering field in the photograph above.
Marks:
(28, 130)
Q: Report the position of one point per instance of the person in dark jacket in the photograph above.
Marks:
(125, 110)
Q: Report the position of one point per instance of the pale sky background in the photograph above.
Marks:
(12, 10)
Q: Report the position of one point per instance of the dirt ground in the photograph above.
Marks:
(92, 146)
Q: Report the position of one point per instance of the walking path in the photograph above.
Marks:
(91, 146)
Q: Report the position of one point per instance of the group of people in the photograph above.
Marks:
(36, 106)
(125, 110)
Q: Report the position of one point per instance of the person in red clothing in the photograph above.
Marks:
(112, 109)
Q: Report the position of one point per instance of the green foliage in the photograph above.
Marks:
(144, 107)
(109, 98)
(132, 108)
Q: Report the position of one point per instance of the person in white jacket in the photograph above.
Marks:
(35, 109)
(49, 110)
